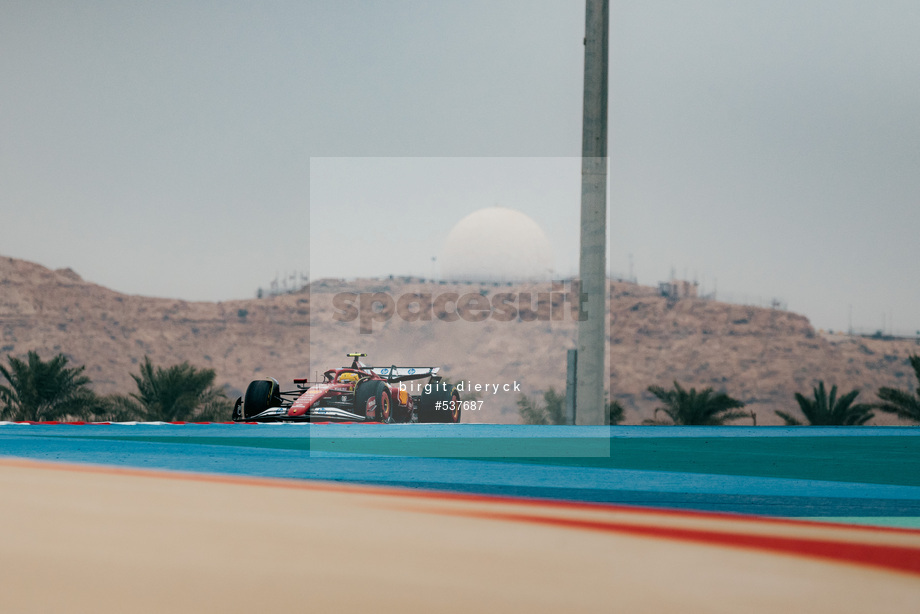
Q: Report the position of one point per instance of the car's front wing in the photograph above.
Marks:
(280, 414)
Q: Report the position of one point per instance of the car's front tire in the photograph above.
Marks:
(260, 395)
(384, 403)
(364, 391)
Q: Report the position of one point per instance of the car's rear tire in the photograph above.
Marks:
(260, 395)
(237, 415)
(452, 415)
(440, 405)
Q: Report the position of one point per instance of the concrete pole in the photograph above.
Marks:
(592, 331)
(570, 380)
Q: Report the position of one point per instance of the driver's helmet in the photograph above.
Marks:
(348, 378)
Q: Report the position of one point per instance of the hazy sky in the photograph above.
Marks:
(767, 148)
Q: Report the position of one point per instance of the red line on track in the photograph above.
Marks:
(898, 558)
(404, 492)
(81, 423)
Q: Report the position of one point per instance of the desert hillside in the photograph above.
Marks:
(761, 356)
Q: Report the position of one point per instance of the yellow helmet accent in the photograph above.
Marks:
(348, 377)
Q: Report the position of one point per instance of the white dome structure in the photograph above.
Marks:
(497, 244)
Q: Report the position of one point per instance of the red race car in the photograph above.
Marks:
(358, 393)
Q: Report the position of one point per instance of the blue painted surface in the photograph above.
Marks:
(310, 452)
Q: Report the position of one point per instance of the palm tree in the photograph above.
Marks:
(39, 390)
(615, 412)
(551, 411)
(178, 393)
(555, 406)
(530, 411)
(705, 408)
(828, 410)
(904, 403)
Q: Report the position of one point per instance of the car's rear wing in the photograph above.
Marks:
(402, 374)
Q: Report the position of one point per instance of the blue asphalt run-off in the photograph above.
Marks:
(852, 474)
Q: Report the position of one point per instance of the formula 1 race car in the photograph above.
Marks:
(357, 393)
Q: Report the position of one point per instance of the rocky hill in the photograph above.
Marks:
(761, 356)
